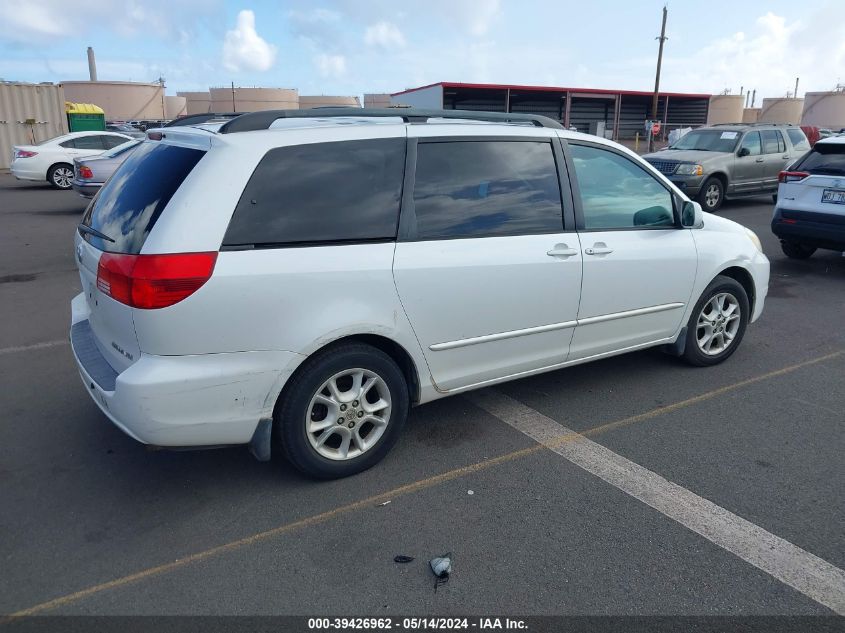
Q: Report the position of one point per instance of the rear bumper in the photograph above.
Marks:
(182, 401)
(821, 230)
(85, 189)
(22, 172)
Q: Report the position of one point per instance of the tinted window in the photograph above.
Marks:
(486, 188)
(773, 142)
(799, 140)
(69, 143)
(323, 192)
(826, 158)
(90, 142)
(752, 143)
(616, 193)
(120, 149)
(113, 141)
(128, 205)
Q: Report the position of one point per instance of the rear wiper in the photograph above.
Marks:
(90, 229)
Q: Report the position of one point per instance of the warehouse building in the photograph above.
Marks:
(616, 114)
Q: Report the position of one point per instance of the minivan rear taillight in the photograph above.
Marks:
(153, 281)
(792, 176)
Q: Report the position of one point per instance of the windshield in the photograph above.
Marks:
(120, 149)
(708, 141)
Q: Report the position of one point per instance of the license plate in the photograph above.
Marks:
(835, 196)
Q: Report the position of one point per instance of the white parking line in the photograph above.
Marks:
(801, 570)
(26, 348)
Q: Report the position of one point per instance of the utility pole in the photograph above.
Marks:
(233, 97)
(662, 39)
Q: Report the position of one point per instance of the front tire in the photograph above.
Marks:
(794, 250)
(711, 195)
(717, 323)
(60, 176)
(342, 411)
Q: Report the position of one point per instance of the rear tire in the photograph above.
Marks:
(794, 250)
(717, 324)
(60, 176)
(342, 411)
(711, 195)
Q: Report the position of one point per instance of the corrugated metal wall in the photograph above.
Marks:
(43, 103)
(584, 111)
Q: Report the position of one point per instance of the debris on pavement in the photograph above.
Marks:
(442, 568)
(386, 502)
(400, 558)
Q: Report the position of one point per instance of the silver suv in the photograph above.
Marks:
(730, 160)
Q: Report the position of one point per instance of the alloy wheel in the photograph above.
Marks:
(718, 324)
(348, 414)
(62, 177)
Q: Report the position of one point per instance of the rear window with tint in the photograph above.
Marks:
(826, 158)
(799, 140)
(128, 205)
(344, 191)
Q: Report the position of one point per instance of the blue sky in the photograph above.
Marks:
(355, 46)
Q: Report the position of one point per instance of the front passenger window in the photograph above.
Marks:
(751, 142)
(616, 193)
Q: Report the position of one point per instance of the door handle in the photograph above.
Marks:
(562, 250)
(759, 160)
(599, 248)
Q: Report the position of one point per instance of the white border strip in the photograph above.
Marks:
(815, 578)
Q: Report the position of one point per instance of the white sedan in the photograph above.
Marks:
(52, 160)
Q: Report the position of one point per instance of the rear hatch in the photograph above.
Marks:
(115, 227)
(815, 186)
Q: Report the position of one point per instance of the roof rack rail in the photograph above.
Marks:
(263, 120)
(196, 119)
(755, 124)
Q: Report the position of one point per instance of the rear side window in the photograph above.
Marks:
(799, 140)
(90, 142)
(344, 191)
(773, 142)
(131, 201)
(826, 158)
(470, 189)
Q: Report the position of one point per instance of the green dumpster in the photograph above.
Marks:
(84, 117)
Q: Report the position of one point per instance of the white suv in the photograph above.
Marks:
(297, 280)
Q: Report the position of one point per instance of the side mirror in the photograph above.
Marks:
(692, 217)
(744, 151)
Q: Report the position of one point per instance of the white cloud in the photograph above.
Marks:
(385, 35)
(331, 65)
(244, 49)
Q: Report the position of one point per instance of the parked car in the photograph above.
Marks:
(125, 128)
(89, 174)
(52, 160)
(810, 209)
(297, 288)
(719, 161)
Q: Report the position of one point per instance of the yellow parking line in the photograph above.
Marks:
(415, 486)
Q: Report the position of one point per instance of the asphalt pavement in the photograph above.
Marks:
(94, 523)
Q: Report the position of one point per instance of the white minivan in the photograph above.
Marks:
(296, 280)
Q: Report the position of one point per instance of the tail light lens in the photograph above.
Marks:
(153, 281)
(22, 153)
(792, 176)
(84, 172)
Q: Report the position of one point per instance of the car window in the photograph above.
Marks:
(708, 141)
(125, 146)
(751, 142)
(322, 192)
(70, 143)
(773, 142)
(94, 141)
(113, 141)
(468, 189)
(825, 159)
(798, 138)
(616, 193)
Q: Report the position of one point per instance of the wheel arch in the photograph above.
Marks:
(744, 278)
(723, 177)
(54, 165)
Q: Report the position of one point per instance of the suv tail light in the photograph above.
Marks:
(792, 176)
(153, 281)
(22, 153)
(84, 172)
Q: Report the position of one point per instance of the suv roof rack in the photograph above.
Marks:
(757, 124)
(263, 120)
(196, 119)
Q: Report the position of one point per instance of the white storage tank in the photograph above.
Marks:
(120, 100)
(196, 102)
(725, 109)
(781, 110)
(824, 109)
(253, 99)
(175, 107)
(751, 115)
(320, 101)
